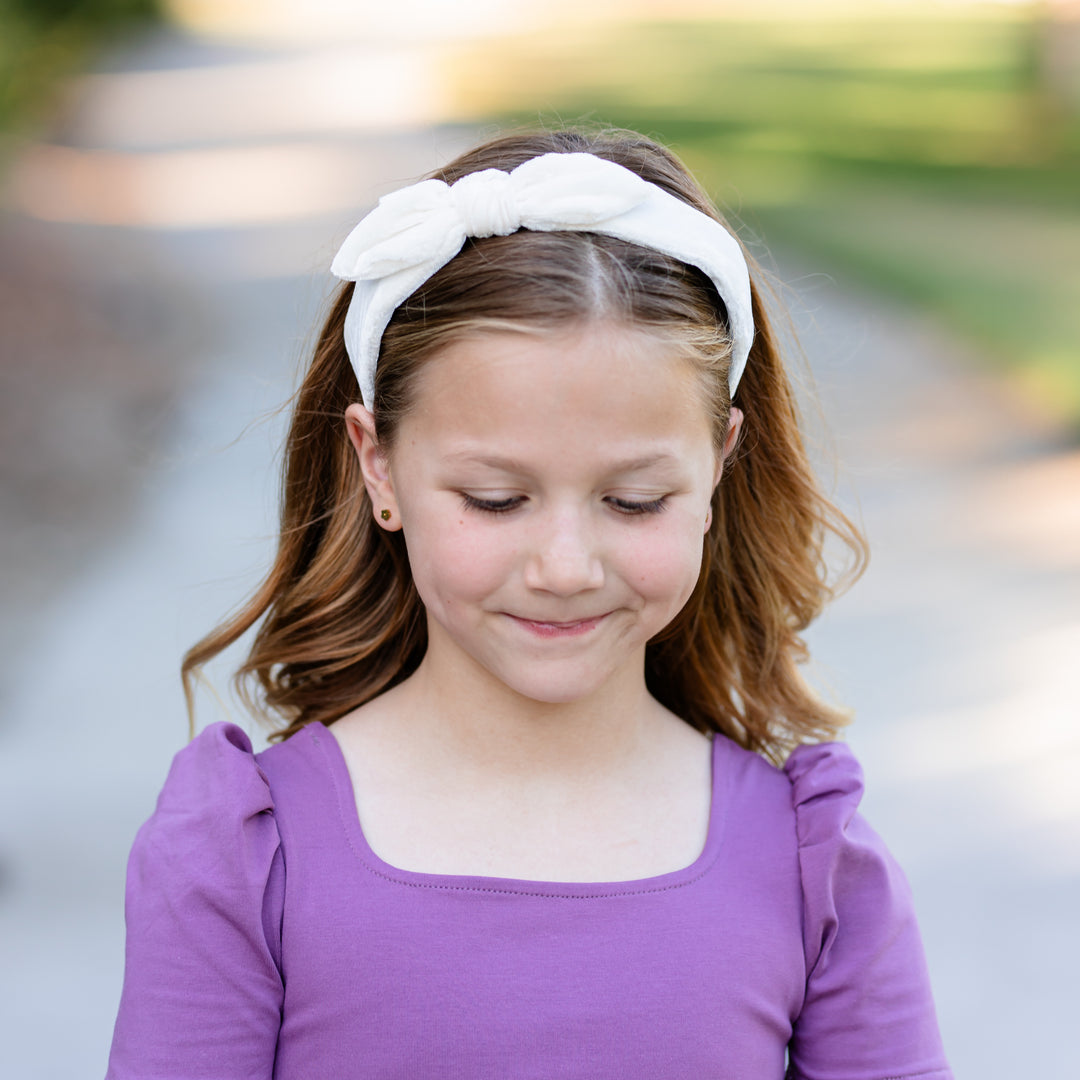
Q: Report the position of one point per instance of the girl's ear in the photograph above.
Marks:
(360, 425)
(735, 420)
(731, 440)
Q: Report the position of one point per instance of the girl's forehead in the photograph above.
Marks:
(593, 371)
(612, 395)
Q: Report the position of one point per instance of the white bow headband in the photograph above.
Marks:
(417, 230)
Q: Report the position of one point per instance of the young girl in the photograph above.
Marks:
(549, 796)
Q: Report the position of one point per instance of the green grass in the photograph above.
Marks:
(923, 155)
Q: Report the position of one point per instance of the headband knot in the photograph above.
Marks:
(486, 203)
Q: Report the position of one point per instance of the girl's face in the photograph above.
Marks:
(554, 492)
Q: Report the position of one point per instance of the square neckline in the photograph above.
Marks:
(334, 760)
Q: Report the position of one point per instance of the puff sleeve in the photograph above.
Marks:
(868, 1013)
(202, 981)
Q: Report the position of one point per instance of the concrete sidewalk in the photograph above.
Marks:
(956, 649)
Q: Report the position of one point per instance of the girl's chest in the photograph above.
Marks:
(603, 825)
(559, 837)
(698, 973)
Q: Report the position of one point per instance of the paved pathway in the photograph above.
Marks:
(955, 649)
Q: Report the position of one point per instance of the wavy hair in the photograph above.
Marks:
(339, 619)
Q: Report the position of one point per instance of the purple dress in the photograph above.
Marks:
(267, 940)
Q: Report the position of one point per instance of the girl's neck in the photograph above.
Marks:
(474, 722)
(466, 778)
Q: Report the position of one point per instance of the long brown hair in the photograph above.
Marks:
(340, 618)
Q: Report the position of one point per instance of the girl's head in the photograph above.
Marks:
(569, 318)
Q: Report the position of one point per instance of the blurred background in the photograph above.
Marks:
(175, 176)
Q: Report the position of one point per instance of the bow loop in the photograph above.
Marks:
(574, 191)
(410, 227)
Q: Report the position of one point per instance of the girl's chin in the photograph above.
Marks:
(548, 686)
(543, 662)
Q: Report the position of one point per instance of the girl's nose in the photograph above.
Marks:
(563, 558)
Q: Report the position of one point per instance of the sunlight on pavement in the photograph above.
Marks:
(317, 19)
(1023, 747)
(1033, 509)
(244, 185)
(236, 144)
(323, 91)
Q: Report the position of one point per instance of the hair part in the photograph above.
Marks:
(341, 620)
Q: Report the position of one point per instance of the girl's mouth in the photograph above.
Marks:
(559, 629)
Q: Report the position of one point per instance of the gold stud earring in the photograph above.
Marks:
(385, 514)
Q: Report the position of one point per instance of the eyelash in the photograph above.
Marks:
(653, 506)
(504, 506)
(490, 506)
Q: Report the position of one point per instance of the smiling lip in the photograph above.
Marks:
(559, 629)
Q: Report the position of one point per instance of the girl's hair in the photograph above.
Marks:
(341, 619)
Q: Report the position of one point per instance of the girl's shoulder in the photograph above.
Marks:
(810, 806)
(214, 824)
(204, 899)
(868, 1006)
(217, 827)
(826, 782)
(219, 780)
(820, 785)
(214, 809)
(216, 770)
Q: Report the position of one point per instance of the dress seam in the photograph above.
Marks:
(942, 1074)
(445, 887)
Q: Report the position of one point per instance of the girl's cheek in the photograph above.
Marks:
(461, 558)
(468, 540)
(666, 565)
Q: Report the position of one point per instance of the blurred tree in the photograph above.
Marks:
(103, 11)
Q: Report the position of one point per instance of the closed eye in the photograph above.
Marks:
(630, 506)
(492, 506)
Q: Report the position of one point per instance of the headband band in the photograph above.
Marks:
(416, 231)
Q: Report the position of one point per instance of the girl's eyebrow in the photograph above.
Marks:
(512, 465)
